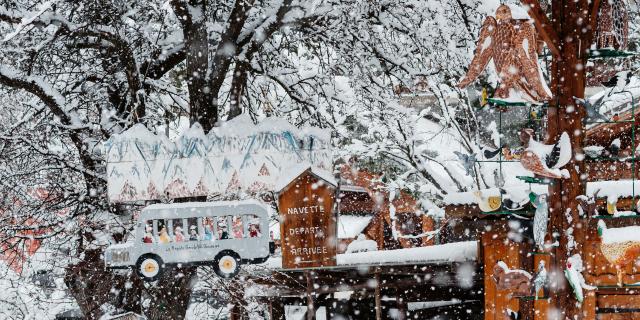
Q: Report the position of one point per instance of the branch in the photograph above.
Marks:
(162, 63)
(593, 20)
(222, 58)
(543, 25)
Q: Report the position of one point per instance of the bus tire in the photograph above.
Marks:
(226, 264)
(149, 267)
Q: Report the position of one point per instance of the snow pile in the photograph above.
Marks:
(444, 253)
(618, 235)
(238, 156)
(362, 244)
(350, 226)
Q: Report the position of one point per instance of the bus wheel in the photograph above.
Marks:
(226, 264)
(149, 267)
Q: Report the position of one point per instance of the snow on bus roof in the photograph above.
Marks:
(176, 205)
(160, 208)
(444, 253)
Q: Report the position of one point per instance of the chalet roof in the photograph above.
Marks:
(290, 174)
(437, 254)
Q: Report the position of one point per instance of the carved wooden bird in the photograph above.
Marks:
(592, 113)
(545, 160)
(540, 220)
(487, 203)
(620, 246)
(540, 281)
(467, 161)
(512, 44)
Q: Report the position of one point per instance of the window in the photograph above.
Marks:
(148, 232)
(253, 226)
(237, 227)
(193, 229)
(163, 231)
(207, 225)
(178, 230)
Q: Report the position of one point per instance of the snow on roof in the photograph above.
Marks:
(444, 253)
(162, 210)
(619, 235)
(617, 188)
(352, 188)
(289, 174)
(617, 100)
(350, 226)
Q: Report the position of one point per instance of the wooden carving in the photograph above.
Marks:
(618, 247)
(517, 282)
(613, 25)
(512, 44)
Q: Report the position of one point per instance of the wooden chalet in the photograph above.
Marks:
(407, 277)
(609, 177)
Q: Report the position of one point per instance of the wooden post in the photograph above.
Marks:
(401, 304)
(378, 298)
(311, 311)
(276, 309)
(569, 34)
(235, 313)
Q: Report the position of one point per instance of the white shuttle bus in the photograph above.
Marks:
(222, 234)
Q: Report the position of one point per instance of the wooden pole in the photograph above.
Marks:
(378, 298)
(311, 311)
(568, 80)
(401, 305)
(569, 34)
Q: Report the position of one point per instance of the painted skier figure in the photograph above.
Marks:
(193, 233)
(179, 236)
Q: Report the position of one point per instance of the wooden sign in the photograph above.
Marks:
(307, 221)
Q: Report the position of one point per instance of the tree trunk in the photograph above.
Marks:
(238, 85)
(194, 29)
(568, 80)
(170, 295)
(86, 282)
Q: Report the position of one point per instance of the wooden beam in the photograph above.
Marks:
(311, 312)
(543, 25)
(593, 20)
(401, 304)
(378, 297)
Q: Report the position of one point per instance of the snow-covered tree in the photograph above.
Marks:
(73, 73)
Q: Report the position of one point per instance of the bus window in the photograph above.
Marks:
(178, 235)
(237, 227)
(223, 231)
(253, 226)
(193, 229)
(148, 232)
(163, 234)
(207, 224)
